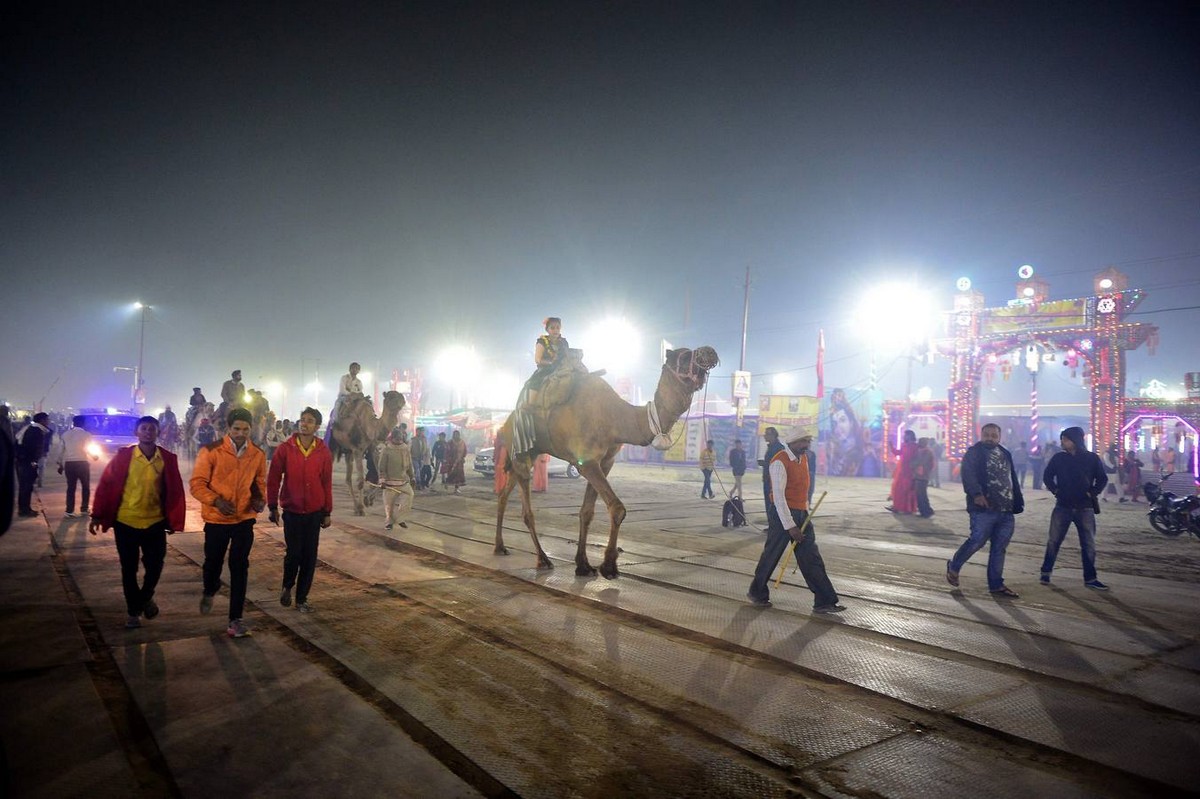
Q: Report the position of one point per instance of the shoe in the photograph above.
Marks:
(1124, 499)
(285, 598)
(83, 512)
(132, 623)
(237, 629)
(150, 610)
(835, 608)
(387, 526)
(1096, 585)
(1045, 578)
(1005, 592)
(759, 603)
(70, 515)
(403, 524)
(304, 607)
(205, 603)
(951, 575)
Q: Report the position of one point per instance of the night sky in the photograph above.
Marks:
(294, 182)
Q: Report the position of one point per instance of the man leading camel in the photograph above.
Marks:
(789, 505)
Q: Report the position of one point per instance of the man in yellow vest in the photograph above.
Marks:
(787, 517)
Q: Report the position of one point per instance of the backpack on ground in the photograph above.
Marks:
(733, 513)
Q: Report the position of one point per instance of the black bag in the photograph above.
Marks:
(733, 513)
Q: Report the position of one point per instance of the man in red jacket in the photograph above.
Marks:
(140, 496)
(301, 477)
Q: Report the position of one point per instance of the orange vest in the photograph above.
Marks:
(796, 490)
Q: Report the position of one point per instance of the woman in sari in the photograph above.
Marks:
(904, 492)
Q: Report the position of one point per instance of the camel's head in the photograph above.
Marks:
(393, 401)
(691, 367)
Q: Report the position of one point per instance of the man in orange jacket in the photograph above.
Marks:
(230, 481)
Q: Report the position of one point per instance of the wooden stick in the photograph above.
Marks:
(787, 552)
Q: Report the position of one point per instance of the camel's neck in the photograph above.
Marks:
(671, 400)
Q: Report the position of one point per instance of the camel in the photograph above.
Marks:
(357, 428)
(589, 429)
(191, 423)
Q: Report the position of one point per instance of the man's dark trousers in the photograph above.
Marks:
(302, 534)
(812, 566)
(238, 539)
(151, 543)
(26, 477)
(78, 472)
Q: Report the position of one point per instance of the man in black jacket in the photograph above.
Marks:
(1075, 477)
(993, 499)
(31, 447)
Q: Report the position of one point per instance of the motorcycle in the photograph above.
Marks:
(1169, 514)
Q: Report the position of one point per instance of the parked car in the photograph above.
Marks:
(485, 465)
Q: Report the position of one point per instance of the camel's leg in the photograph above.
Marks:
(521, 471)
(501, 506)
(597, 477)
(586, 512)
(352, 461)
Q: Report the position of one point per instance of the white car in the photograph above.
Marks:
(485, 465)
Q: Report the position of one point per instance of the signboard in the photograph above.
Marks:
(1049, 315)
(741, 384)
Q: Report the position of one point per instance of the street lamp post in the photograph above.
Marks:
(139, 392)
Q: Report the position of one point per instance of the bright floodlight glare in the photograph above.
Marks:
(1027, 291)
(457, 365)
(783, 383)
(1106, 283)
(364, 377)
(893, 317)
(613, 344)
(138, 305)
(498, 390)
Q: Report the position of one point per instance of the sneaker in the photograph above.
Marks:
(1045, 578)
(132, 623)
(151, 609)
(71, 515)
(1096, 585)
(285, 598)
(759, 603)
(237, 629)
(304, 607)
(951, 575)
(1006, 592)
(835, 608)
(205, 603)
(403, 524)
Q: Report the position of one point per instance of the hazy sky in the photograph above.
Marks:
(337, 181)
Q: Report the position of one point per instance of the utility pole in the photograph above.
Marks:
(139, 394)
(745, 318)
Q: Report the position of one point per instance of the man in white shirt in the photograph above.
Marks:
(787, 523)
(74, 460)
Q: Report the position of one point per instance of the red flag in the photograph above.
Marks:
(820, 364)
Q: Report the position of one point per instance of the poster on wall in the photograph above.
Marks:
(851, 433)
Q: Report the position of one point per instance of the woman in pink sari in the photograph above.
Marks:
(541, 474)
(904, 491)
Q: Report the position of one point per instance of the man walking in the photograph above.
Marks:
(771, 436)
(737, 465)
(396, 478)
(1075, 476)
(419, 449)
(708, 462)
(1020, 457)
(73, 461)
(922, 472)
(301, 479)
(230, 481)
(30, 449)
(993, 499)
(140, 496)
(788, 523)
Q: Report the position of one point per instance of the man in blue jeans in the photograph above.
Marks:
(787, 523)
(993, 500)
(1075, 477)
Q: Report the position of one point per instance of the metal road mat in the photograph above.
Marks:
(818, 644)
(1155, 745)
(935, 767)
(778, 714)
(1011, 647)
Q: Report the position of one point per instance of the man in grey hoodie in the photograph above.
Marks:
(1075, 477)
